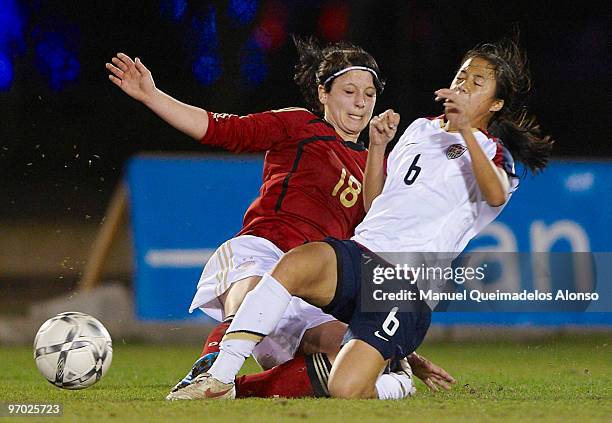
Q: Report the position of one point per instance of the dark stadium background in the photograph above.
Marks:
(63, 143)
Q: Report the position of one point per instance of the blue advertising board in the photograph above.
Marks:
(567, 208)
(183, 207)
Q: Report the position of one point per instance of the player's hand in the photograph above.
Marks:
(383, 127)
(132, 77)
(456, 107)
(431, 374)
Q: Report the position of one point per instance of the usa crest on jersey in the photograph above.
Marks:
(455, 151)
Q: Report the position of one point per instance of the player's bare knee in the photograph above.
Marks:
(234, 296)
(287, 273)
(348, 390)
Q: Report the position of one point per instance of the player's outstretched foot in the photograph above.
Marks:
(201, 365)
(402, 369)
(204, 386)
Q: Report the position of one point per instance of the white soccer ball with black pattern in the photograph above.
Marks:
(73, 350)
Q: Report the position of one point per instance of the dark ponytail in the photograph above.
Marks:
(310, 56)
(519, 131)
(316, 65)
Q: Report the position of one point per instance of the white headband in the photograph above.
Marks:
(350, 68)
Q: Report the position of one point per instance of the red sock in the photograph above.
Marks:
(214, 338)
(303, 376)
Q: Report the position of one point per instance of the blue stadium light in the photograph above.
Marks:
(207, 39)
(173, 9)
(207, 65)
(253, 66)
(242, 11)
(207, 69)
(6, 72)
(11, 25)
(56, 61)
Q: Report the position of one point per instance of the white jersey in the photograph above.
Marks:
(430, 201)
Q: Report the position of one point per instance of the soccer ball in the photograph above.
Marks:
(73, 350)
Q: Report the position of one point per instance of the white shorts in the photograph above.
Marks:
(240, 258)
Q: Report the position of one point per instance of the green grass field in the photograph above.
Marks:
(556, 380)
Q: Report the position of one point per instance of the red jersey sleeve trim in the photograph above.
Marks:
(498, 159)
(503, 158)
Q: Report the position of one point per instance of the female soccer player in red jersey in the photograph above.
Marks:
(443, 182)
(312, 183)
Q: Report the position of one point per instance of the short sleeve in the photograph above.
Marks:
(502, 158)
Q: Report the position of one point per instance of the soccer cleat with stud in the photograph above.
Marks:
(201, 365)
(204, 387)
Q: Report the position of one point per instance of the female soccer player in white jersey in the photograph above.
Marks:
(445, 180)
(313, 170)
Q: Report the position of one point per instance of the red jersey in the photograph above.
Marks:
(311, 178)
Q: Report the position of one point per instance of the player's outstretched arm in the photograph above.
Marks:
(382, 130)
(136, 80)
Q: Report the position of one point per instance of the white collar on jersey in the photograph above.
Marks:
(444, 125)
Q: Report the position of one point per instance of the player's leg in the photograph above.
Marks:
(303, 323)
(231, 272)
(301, 331)
(324, 338)
(233, 297)
(296, 356)
(302, 376)
(355, 371)
(291, 355)
(291, 370)
(388, 386)
(309, 272)
(356, 374)
(230, 300)
(304, 329)
(397, 384)
(309, 376)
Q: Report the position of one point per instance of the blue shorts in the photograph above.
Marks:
(394, 334)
